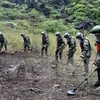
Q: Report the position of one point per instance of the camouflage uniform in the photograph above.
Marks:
(71, 42)
(3, 42)
(97, 61)
(60, 46)
(26, 42)
(45, 43)
(85, 50)
(96, 35)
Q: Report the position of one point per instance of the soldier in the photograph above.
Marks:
(45, 43)
(96, 35)
(3, 42)
(71, 42)
(85, 50)
(60, 46)
(26, 41)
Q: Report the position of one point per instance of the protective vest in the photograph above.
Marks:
(26, 39)
(60, 41)
(89, 48)
(45, 39)
(69, 42)
(98, 46)
(2, 39)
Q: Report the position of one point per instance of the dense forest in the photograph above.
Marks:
(50, 15)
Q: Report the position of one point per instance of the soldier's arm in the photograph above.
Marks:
(86, 47)
(72, 43)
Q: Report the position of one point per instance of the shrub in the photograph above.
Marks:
(53, 25)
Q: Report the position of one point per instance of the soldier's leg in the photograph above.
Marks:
(42, 50)
(72, 58)
(1, 46)
(68, 59)
(86, 65)
(46, 50)
(60, 54)
(28, 46)
(97, 83)
(5, 45)
(98, 73)
(56, 54)
(25, 47)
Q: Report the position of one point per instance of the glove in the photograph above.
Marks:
(95, 64)
(44, 46)
(95, 44)
(82, 56)
(67, 51)
(4, 43)
(60, 47)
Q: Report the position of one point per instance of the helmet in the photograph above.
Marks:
(66, 35)
(22, 34)
(0, 33)
(57, 33)
(96, 33)
(42, 33)
(79, 35)
(96, 29)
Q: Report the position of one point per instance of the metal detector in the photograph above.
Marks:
(55, 65)
(62, 59)
(56, 55)
(72, 92)
(55, 58)
(72, 74)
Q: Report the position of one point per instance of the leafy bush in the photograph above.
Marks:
(7, 4)
(22, 24)
(33, 13)
(53, 25)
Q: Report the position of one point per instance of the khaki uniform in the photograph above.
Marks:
(59, 48)
(71, 42)
(86, 52)
(26, 42)
(45, 44)
(3, 42)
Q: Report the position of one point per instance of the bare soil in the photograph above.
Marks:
(28, 76)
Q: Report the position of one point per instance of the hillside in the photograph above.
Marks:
(56, 13)
(30, 76)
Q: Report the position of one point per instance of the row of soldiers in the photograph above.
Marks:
(4, 42)
(85, 47)
(71, 42)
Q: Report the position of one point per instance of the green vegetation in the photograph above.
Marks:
(32, 17)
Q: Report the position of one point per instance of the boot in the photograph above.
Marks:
(72, 61)
(84, 74)
(97, 83)
(97, 89)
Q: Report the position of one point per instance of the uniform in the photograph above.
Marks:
(85, 50)
(45, 44)
(71, 42)
(60, 46)
(3, 42)
(96, 35)
(26, 42)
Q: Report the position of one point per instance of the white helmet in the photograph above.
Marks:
(42, 33)
(66, 35)
(57, 33)
(22, 34)
(0, 33)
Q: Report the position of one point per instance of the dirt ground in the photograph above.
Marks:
(32, 77)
